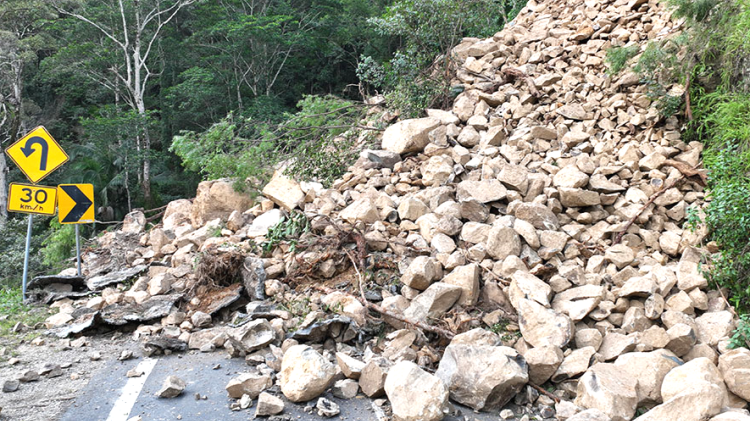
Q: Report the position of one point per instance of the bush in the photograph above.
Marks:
(617, 57)
(59, 244)
(716, 52)
(314, 140)
(13, 244)
(425, 29)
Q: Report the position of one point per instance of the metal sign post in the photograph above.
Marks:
(26, 255)
(78, 251)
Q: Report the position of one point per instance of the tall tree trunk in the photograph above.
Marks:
(3, 190)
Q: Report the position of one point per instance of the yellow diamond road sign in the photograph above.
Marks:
(37, 154)
(26, 198)
(76, 203)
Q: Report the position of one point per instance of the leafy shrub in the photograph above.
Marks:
(313, 139)
(425, 29)
(289, 229)
(59, 244)
(13, 244)
(741, 336)
(617, 57)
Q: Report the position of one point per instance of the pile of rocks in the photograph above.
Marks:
(550, 200)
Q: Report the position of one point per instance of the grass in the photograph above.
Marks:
(11, 305)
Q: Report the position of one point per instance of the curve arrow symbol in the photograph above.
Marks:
(83, 203)
(28, 150)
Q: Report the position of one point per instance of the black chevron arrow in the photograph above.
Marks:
(28, 150)
(83, 203)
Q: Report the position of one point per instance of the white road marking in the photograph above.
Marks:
(121, 410)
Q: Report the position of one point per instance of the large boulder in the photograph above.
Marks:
(609, 389)
(217, 199)
(696, 403)
(284, 191)
(409, 135)
(415, 394)
(735, 368)
(485, 386)
(649, 369)
(541, 326)
(305, 374)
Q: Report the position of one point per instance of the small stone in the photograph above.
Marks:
(268, 405)
(345, 389)
(134, 373)
(245, 401)
(200, 319)
(29, 376)
(250, 384)
(327, 408)
(11, 386)
(172, 387)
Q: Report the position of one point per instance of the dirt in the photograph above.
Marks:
(48, 398)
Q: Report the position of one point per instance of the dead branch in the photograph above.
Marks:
(653, 197)
(688, 108)
(442, 332)
(692, 173)
(545, 393)
(513, 74)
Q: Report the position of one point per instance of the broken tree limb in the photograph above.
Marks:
(545, 393)
(653, 197)
(442, 332)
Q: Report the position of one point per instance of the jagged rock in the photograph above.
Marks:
(412, 209)
(415, 395)
(422, 272)
(542, 326)
(543, 362)
(713, 326)
(540, 216)
(305, 374)
(649, 369)
(503, 242)
(609, 389)
(217, 199)
(172, 387)
(467, 278)
(260, 225)
(484, 191)
(408, 135)
(372, 379)
(698, 373)
(248, 384)
(351, 367)
(345, 389)
(693, 404)
(361, 210)
(433, 302)
(348, 305)
(526, 285)
(284, 191)
(592, 414)
(578, 302)
(735, 369)
(268, 405)
(576, 363)
(134, 223)
(253, 335)
(482, 387)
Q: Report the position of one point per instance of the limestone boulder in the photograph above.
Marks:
(485, 386)
(284, 191)
(415, 395)
(217, 199)
(409, 136)
(541, 326)
(735, 369)
(609, 389)
(305, 374)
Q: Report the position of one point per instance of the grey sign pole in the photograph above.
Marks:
(78, 251)
(26, 256)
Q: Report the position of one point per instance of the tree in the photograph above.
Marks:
(20, 39)
(126, 51)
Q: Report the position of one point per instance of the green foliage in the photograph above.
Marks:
(617, 57)
(715, 59)
(425, 29)
(59, 244)
(11, 305)
(741, 336)
(692, 218)
(13, 244)
(314, 140)
(289, 229)
(658, 67)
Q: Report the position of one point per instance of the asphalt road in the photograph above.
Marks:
(111, 396)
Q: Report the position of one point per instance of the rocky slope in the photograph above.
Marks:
(536, 229)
